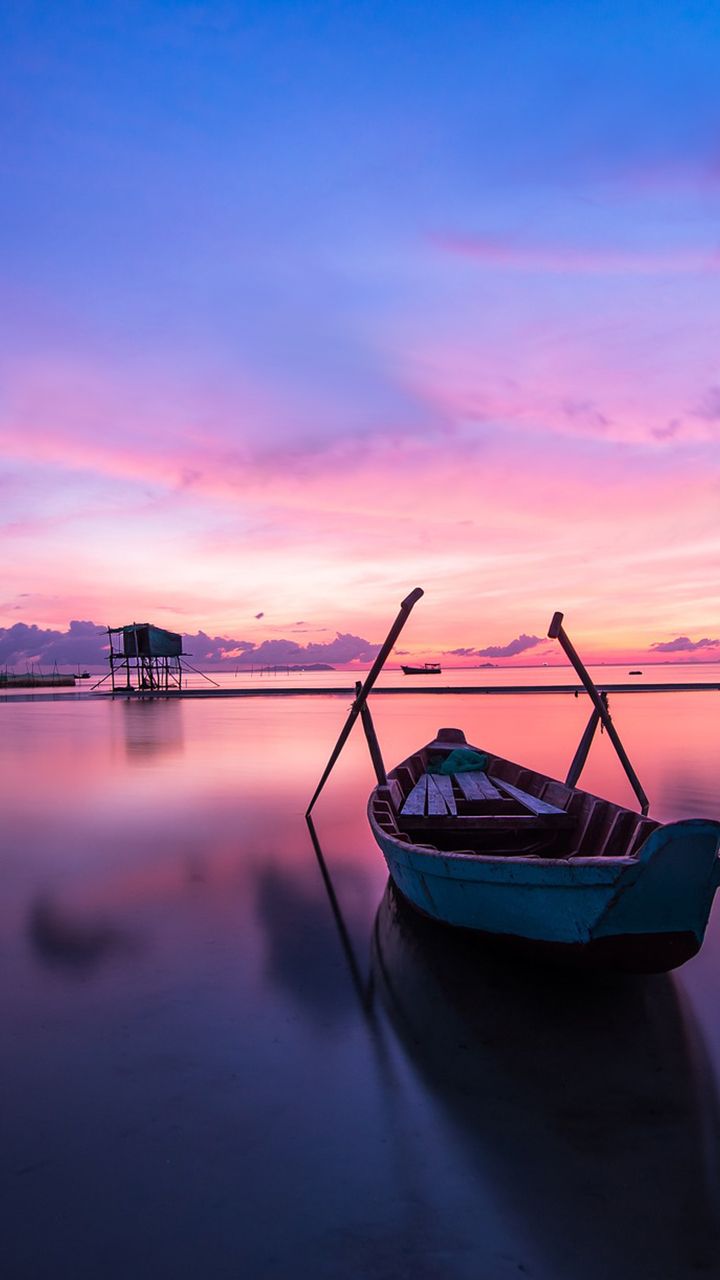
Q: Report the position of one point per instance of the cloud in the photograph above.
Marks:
(683, 644)
(86, 643)
(344, 648)
(709, 406)
(213, 649)
(519, 645)
(83, 642)
(587, 412)
(141, 421)
(503, 252)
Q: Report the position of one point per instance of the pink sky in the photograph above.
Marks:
(293, 353)
(499, 524)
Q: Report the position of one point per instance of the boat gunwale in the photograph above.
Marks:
(616, 862)
(504, 859)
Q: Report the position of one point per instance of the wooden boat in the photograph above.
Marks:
(429, 669)
(480, 843)
(527, 860)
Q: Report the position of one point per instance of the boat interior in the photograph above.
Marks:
(503, 808)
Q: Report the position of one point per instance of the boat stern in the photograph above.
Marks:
(673, 893)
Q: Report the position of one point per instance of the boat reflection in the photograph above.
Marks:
(75, 942)
(585, 1103)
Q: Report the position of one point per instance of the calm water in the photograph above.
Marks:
(197, 1080)
(282, 681)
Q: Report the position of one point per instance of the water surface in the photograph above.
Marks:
(196, 1081)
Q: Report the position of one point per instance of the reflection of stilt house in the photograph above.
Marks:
(145, 658)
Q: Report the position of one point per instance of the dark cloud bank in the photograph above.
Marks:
(85, 644)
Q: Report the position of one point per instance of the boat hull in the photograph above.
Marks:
(646, 913)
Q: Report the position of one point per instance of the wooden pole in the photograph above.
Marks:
(373, 744)
(372, 676)
(581, 754)
(556, 631)
(112, 664)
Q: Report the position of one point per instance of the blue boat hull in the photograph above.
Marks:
(647, 912)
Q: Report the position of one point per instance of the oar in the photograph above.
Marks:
(557, 632)
(372, 676)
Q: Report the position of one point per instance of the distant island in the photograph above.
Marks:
(313, 666)
(277, 668)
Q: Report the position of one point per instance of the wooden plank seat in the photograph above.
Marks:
(533, 803)
(440, 794)
(476, 785)
(416, 799)
(433, 796)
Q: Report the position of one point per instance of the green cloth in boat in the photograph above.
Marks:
(461, 760)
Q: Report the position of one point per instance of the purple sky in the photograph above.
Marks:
(304, 304)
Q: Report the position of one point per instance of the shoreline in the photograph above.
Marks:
(344, 691)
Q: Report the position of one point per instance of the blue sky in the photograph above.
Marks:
(242, 243)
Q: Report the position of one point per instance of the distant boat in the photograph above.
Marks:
(480, 843)
(429, 669)
(635, 673)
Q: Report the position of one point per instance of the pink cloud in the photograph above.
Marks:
(498, 251)
(520, 645)
(498, 514)
(709, 406)
(683, 644)
(555, 379)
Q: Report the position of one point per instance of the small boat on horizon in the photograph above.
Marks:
(634, 673)
(428, 669)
